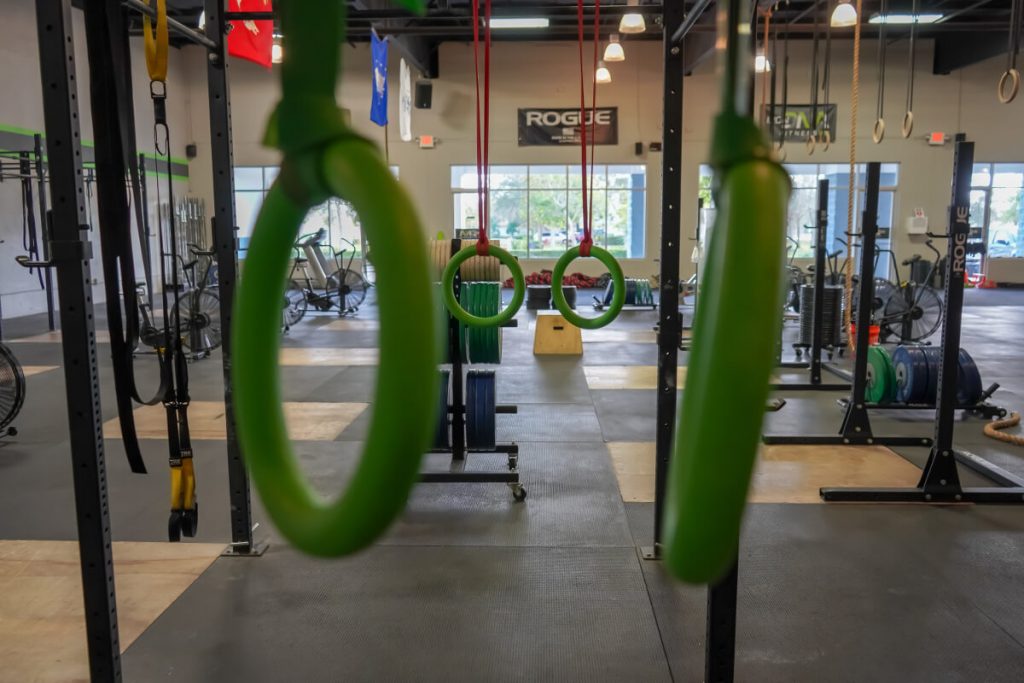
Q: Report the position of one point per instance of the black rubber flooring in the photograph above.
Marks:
(471, 586)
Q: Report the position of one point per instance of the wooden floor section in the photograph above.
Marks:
(42, 619)
(307, 421)
(784, 474)
(348, 325)
(55, 337)
(31, 370)
(627, 376)
(329, 356)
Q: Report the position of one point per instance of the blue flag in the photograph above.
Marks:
(379, 104)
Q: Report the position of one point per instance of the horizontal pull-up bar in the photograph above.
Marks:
(173, 24)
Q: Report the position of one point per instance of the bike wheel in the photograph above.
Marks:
(919, 304)
(200, 320)
(295, 304)
(353, 290)
(12, 387)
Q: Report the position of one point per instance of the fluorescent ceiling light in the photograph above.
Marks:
(613, 52)
(520, 22)
(762, 65)
(632, 22)
(276, 53)
(603, 75)
(904, 18)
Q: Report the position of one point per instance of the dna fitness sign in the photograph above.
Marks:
(545, 127)
(794, 123)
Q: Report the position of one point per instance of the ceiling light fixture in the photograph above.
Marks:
(762, 65)
(904, 19)
(276, 53)
(632, 22)
(844, 15)
(603, 75)
(520, 22)
(613, 52)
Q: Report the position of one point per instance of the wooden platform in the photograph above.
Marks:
(784, 474)
(329, 356)
(627, 376)
(555, 336)
(307, 421)
(30, 370)
(42, 620)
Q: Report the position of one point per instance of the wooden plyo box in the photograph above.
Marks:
(554, 336)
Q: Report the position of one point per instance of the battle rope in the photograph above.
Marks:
(878, 131)
(1012, 76)
(586, 246)
(992, 430)
(483, 246)
(184, 514)
(852, 189)
(324, 158)
(908, 118)
(733, 349)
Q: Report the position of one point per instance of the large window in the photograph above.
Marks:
(803, 204)
(251, 186)
(997, 206)
(537, 210)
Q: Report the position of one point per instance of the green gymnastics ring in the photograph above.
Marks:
(464, 316)
(323, 158)
(618, 289)
(401, 427)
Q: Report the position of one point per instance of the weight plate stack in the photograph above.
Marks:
(831, 319)
(969, 387)
(570, 296)
(911, 374)
(440, 255)
(881, 376)
(933, 356)
(480, 409)
(482, 299)
(630, 292)
(538, 297)
(442, 433)
(481, 269)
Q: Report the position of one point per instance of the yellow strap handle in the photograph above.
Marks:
(156, 45)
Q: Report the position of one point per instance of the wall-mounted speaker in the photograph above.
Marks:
(191, 151)
(424, 94)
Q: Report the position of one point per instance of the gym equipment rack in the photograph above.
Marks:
(940, 480)
(813, 363)
(459, 450)
(70, 253)
(856, 425)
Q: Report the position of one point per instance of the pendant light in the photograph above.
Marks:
(844, 15)
(632, 22)
(613, 52)
(602, 75)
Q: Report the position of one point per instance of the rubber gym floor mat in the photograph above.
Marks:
(606, 377)
(41, 601)
(463, 614)
(815, 583)
(626, 415)
(321, 356)
(549, 380)
(562, 423)
(55, 337)
(321, 337)
(357, 383)
(617, 353)
(307, 421)
(784, 474)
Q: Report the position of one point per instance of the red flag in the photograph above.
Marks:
(252, 40)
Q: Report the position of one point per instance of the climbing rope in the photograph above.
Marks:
(812, 135)
(852, 189)
(324, 158)
(732, 354)
(992, 430)
(483, 246)
(1011, 76)
(826, 135)
(586, 246)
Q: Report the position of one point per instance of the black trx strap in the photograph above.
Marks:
(29, 236)
(114, 131)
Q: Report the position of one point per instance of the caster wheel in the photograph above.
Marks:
(174, 526)
(519, 494)
(190, 522)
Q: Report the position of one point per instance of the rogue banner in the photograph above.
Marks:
(794, 123)
(562, 126)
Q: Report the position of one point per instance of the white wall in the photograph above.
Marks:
(22, 107)
(545, 74)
